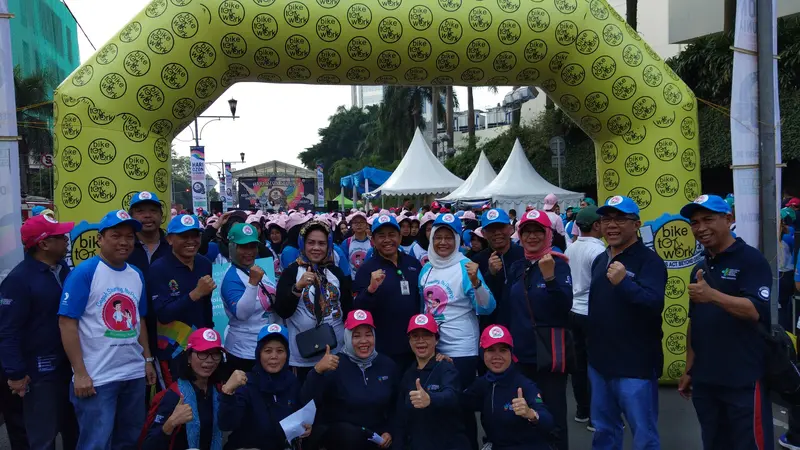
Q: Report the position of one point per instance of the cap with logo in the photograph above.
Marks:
(183, 223)
(358, 317)
(41, 227)
(468, 215)
(535, 216)
(243, 233)
(619, 203)
(36, 210)
(496, 334)
(352, 216)
(203, 340)
(587, 216)
(144, 197)
(793, 202)
(713, 203)
(273, 329)
(493, 216)
(423, 322)
(117, 218)
(384, 220)
(450, 221)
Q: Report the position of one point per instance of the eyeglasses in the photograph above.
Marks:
(535, 233)
(617, 220)
(215, 356)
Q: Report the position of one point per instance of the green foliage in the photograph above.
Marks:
(33, 118)
(182, 182)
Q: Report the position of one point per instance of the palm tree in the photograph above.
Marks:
(400, 114)
(471, 114)
(34, 117)
(449, 116)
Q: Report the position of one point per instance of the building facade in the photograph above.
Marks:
(363, 96)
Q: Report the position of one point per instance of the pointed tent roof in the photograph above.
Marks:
(518, 180)
(481, 176)
(419, 173)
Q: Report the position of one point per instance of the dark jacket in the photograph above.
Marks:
(30, 339)
(624, 325)
(499, 282)
(549, 301)
(491, 395)
(286, 302)
(390, 309)
(348, 394)
(139, 258)
(157, 440)
(439, 426)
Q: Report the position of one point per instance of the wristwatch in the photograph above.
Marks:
(149, 360)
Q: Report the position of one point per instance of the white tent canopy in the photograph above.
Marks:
(481, 176)
(419, 173)
(518, 184)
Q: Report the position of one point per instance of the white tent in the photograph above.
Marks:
(419, 173)
(481, 176)
(518, 184)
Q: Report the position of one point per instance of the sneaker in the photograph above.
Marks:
(591, 427)
(785, 443)
(581, 418)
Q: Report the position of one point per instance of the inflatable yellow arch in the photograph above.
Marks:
(117, 114)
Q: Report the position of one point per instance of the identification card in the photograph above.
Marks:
(404, 288)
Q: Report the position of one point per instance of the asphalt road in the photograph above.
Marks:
(677, 425)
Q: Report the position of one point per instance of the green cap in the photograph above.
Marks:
(587, 215)
(243, 233)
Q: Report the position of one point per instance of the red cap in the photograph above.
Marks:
(535, 216)
(793, 202)
(485, 207)
(435, 205)
(423, 322)
(42, 227)
(496, 334)
(358, 317)
(203, 340)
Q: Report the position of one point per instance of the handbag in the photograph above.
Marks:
(554, 345)
(312, 342)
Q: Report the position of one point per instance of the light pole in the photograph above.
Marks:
(232, 103)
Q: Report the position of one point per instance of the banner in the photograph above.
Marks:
(222, 190)
(277, 192)
(320, 186)
(228, 187)
(198, 161)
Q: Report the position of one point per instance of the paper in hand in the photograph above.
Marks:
(293, 425)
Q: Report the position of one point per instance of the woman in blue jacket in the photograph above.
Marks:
(186, 416)
(253, 404)
(354, 392)
(539, 293)
(429, 414)
(513, 413)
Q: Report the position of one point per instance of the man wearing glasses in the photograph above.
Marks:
(31, 353)
(626, 298)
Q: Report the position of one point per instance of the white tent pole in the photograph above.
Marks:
(366, 190)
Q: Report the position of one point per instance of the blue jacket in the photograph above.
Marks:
(498, 283)
(624, 329)
(491, 395)
(204, 405)
(550, 302)
(30, 339)
(440, 425)
(348, 394)
(390, 309)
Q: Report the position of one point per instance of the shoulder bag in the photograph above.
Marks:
(312, 342)
(554, 345)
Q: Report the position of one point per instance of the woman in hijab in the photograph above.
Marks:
(313, 292)
(424, 234)
(408, 244)
(247, 294)
(540, 296)
(214, 241)
(454, 293)
(291, 250)
(513, 413)
(476, 242)
(254, 403)
(276, 235)
(354, 392)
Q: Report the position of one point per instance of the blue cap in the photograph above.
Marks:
(385, 219)
(183, 223)
(144, 197)
(36, 210)
(460, 213)
(713, 203)
(625, 205)
(450, 221)
(493, 216)
(118, 217)
(273, 329)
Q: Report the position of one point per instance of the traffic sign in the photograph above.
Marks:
(558, 145)
(47, 160)
(558, 161)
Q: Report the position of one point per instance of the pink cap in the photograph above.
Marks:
(479, 232)
(41, 227)
(550, 201)
(468, 215)
(203, 340)
(423, 322)
(427, 217)
(253, 218)
(496, 334)
(356, 214)
(793, 202)
(358, 317)
(435, 205)
(297, 218)
(537, 216)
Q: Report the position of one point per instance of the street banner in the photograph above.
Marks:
(320, 186)
(277, 192)
(198, 162)
(230, 201)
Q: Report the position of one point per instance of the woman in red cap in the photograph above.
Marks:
(513, 413)
(539, 298)
(185, 415)
(354, 392)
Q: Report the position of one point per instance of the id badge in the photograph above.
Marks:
(404, 288)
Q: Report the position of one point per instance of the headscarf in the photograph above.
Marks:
(277, 248)
(440, 262)
(546, 249)
(271, 383)
(350, 351)
(303, 260)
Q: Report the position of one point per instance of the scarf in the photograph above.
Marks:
(443, 262)
(546, 249)
(407, 241)
(350, 351)
(193, 427)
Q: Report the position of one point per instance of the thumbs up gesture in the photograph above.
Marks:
(328, 362)
(700, 291)
(182, 414)
(521, 408)
(419, 398)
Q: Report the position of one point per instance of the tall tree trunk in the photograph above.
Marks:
(417, 110)
(632, 12)
(730, 16)
(470, 118)
(435, 118)
(449, 116)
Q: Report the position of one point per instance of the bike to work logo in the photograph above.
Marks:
(670, 236)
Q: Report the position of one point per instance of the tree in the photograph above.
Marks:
(34, 118)
(449, 94)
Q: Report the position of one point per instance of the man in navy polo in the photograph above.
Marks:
(180, 287)
(387, 285)
(729, 299)
(150, 243)
(31, 353)
(626, 299)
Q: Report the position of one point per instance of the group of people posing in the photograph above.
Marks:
(398, 325)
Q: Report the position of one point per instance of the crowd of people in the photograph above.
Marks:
(399, 324)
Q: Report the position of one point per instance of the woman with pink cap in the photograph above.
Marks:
(513, 413)
(425, 227)
(358, 246)
(408, 244)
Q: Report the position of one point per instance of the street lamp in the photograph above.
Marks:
(232, 104)
(241, 155)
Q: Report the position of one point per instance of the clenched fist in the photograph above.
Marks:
(256, 274)
(472, 273)
(495, 264)
(237, 380)
(376, 280)
(205, 286)
(548, 266)
(616, 273)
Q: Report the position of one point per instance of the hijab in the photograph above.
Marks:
(547, 248)
(272, 383)
(350, 351)
(423, 241)
(277, 248)
(442, 262)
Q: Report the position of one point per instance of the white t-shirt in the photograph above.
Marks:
(108, 304)
(582, 254)
(248, 309)
(357, 252)
(416, 251)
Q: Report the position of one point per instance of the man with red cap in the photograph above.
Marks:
(31, 353)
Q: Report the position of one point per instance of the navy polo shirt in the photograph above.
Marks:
(624, 329)
(30, 339)
(391, 310)
(139, 257)
(729, 351)
(499, 282)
